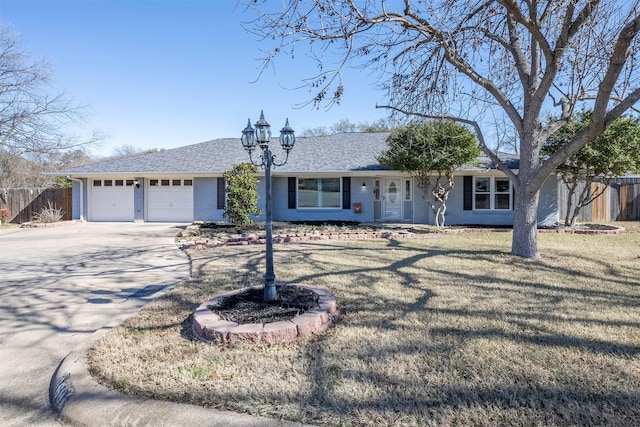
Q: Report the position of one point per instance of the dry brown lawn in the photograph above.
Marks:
(441, 330)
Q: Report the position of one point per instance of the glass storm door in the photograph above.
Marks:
(392, 199)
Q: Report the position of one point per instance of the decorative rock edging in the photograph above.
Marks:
(617, 230)
(209, 326)
(253, 239)
(47, 224)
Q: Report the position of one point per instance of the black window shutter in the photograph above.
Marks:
(346, 192)
(467, 184)
(221, 193)
(292, 192)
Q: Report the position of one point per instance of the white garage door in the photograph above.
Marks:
(170, 200)
(112, 200)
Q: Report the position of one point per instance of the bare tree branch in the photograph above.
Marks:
(31, 119)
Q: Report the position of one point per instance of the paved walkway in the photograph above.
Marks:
(58, 286)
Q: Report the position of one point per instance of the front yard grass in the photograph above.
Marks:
(439, 330)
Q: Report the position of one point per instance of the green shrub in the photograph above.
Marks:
(242, 194)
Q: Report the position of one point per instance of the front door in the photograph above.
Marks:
(392, 199)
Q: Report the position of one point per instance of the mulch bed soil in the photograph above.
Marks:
(249, 306)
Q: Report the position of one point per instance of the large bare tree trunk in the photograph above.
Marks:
(527, 193)
(525, 224)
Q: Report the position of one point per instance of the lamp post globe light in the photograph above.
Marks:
(260, 137)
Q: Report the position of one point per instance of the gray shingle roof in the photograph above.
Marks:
(340, 153)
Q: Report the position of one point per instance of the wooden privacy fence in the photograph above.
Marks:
(23, 203)
(626, 204)
(619, 202)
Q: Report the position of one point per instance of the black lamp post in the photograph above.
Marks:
(261, 136)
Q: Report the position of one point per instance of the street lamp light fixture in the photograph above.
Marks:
(263, 132)
(287, 137)
(248, 138)
(261, 136)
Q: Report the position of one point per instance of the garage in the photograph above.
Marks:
(170, 200)
(112, 200)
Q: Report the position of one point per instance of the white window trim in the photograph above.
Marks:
(315, 208)
(492, 193)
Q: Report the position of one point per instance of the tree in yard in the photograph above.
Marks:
(614, 153)
(430, 152)
(242, 194)
(29, 171)
(345, 125)
(34, 123)
(499, 66)
(128, 150)
(382, 125)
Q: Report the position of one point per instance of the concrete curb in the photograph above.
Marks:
(80, 401)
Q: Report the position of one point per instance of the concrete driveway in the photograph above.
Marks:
(58, 285)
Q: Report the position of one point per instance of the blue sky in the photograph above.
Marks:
(162, 74)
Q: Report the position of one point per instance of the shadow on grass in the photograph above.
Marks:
(545, 296)
(537, 326)
(448, 386)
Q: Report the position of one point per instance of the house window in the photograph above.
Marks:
(119, 183)
(319, 193)
(153, 182)
(176, 183)
(129, 182)
(108, 183)
(97, 183)
(492, 193)
(502, 195)
(164, 182)
(376, 189)
(188, 182)
(407, 189)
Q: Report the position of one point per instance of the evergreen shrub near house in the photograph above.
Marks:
(431, 151)
(241, 187)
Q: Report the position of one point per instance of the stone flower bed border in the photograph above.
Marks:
(32, 224)
(253, 239)
(209, 326)
(409, 233)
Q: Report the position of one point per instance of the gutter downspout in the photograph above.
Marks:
(81, 197)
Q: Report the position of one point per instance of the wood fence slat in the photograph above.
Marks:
(613, 195)
(599, 206)
(634, 197)
(623, 202)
